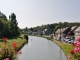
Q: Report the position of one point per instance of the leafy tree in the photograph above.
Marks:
(3, 16)
(13, 23)
(1, 26)
(26, 29)
(4, 28)
(31, 29)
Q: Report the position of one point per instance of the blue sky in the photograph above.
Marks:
(31, 13)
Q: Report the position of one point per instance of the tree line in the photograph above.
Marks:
(54, 26)
(9, 27)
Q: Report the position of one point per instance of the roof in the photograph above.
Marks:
(78, 29)
(62, 30)
(67, 30)
(73, 28)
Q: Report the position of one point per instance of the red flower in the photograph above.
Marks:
(4, 38)
(14, 44)
(73, 44)
(72, 51)
(20, 52)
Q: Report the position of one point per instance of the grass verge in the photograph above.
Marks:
(65, 47)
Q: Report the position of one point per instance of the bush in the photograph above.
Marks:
(26, 37)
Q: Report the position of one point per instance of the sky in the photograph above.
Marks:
(32, 13)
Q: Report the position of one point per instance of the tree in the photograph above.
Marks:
(13, 23)
(26, 29)
(3, 16)
(1, 26)
(65, 24)
(31, 29)
(4, 28)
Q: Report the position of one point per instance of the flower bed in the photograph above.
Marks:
(9, 48)
(75, 51)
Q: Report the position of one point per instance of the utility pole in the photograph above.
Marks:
(60, 33)
(61, 42)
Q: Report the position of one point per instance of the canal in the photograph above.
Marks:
(39, 48)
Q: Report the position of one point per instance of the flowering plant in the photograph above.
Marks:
(9, 50)
(75, 52)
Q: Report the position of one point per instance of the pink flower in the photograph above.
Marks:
(78, 44)
(76, 50)
(69, 57)
(78, 39)
(7, 59)
(75, 43)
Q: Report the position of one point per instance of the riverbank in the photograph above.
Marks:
(19, 42)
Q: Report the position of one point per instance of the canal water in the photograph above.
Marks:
(39, 48)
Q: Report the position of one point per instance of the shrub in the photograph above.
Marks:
(26, 37)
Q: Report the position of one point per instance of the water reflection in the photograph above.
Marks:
(41, 49)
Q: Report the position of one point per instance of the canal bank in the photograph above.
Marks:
(39, 48)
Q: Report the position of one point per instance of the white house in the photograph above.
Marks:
(77, 33)
(46, 32)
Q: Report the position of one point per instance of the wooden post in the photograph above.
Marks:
(60, 54)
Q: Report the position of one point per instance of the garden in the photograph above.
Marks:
(10, 48)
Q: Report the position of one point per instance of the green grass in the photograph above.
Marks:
(65, 47)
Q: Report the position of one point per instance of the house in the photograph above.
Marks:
(34, 32)
(59, 32)
(67, 30)
(46, 32)
(29, 32)
(40, 32)
(77, 33)
(71, 32)
(62, 32)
